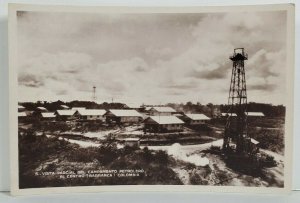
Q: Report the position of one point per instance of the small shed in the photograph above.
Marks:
(163, 124)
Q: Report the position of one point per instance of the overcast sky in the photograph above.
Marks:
(149, 58)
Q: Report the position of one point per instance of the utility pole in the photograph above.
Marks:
(94, 94)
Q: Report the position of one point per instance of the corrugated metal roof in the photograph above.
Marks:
(255, 114)
(68, 112)
(254, 141)
(199, 116)
(163, 109)
(41, 108)
(166, 119)
(78, 108)
(125, 113)
(48, 115)
(64, 106)
(21, 114)
(91, 112)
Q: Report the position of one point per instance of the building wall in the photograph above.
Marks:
(172, 127)
(21, 109)
(93, 117)
(168, 127)
(129, 119)
(64, 117)
(48, 118)
(196, 122)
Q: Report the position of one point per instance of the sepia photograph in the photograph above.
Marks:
(122, 97)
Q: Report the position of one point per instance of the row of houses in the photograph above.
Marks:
(160, 119)
(155, 118)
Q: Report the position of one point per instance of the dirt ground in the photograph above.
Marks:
(217, 172)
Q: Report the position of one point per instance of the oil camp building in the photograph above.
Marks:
(161, 111)
(195, 119)
(48, 116)
(90, 114)
(21, 108)
(255, 114)
(123, 116)
(65, 114)
(163, 124)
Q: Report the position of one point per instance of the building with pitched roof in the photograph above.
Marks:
(163, 124)
(22, 116)
(21, 108)
(65, 114)
(123, 116)
(91, 114)
(161, 111)
(48, 116)
(196, 119)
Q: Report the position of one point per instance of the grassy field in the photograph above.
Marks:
(269, 132)
(40, 154)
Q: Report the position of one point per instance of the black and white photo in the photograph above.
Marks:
(151, 97)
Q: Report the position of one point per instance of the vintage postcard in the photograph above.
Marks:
(151, 99)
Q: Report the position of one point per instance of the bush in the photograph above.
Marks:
(197, 179)
(162, 157)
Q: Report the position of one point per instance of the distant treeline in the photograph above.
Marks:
(267, 109)
(53, 106)
(209, 109)
(189, 107)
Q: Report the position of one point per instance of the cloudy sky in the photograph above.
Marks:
(149, 58)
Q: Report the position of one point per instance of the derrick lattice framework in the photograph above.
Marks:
(236, 125)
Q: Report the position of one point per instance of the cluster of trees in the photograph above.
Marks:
(53, 106)
(208, 109)
(189, 107)
(268, 109)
